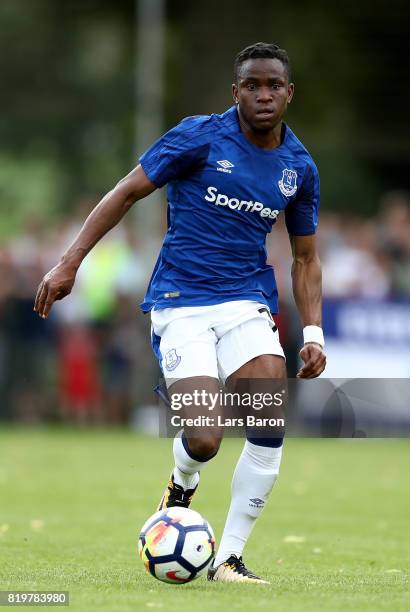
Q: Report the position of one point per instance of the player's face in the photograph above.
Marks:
(263, 93)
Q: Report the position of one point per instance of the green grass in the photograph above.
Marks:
(346, 501)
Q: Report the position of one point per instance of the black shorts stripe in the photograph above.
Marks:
(264, 309)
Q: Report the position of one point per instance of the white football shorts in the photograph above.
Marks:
(212, 340)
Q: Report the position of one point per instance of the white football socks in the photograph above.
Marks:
(186, 470)
(253, 479)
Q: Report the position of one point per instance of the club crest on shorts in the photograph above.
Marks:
(172, 360)
(287, 183)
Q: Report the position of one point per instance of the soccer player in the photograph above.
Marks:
(212, 294)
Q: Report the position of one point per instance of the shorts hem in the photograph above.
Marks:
(258, 353)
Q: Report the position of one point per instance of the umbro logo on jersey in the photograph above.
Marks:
(225, 166)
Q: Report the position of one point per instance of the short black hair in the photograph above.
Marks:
(261, 50)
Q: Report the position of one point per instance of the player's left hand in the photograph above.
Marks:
(315, 360)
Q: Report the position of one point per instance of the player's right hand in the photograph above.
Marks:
(55, 285)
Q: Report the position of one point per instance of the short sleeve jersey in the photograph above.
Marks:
(224, 195)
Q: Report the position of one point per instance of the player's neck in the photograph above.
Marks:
(265, 140)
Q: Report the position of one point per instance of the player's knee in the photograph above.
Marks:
(207, 445)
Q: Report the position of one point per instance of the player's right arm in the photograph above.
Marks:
(59, 281)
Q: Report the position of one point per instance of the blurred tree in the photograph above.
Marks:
(68, 99)
(349, 65)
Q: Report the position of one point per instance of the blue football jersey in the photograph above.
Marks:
(224, 195)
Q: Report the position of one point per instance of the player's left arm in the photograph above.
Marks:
(307, 291)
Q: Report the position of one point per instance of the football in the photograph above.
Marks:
(176, 545)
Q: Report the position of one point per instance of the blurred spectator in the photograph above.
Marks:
(394, 235)
(27, 345)
(91, 360)
(79, 376)
(353, 265)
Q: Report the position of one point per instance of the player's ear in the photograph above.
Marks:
(235, 92)
(291, 91)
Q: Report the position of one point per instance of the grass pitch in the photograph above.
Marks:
(334, 536)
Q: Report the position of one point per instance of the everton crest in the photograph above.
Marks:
(172, 360)
(287, 183)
